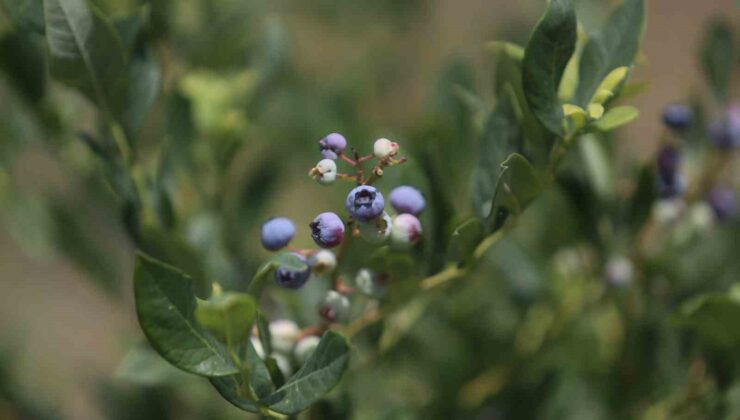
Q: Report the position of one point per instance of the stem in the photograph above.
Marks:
(346, 159)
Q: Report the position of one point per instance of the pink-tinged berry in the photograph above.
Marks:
(327, 230)
(406, 230)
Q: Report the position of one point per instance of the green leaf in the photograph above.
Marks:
(165, 306)
(549, 49)
(85, 52)
(144, 79)
(232, 389)
(229, 387)
(713, 316)
(598, 165)
(517, 186)
(615, 118)
(28, 15)
(229, 315)
(318, 376)
(465, 238)
(616, 45)
(266, 271)
(718, 58)
(500, 138)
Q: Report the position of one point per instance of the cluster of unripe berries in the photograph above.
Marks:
(365, 205)
(725, 135)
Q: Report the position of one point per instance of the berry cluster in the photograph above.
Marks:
(367, 218)
(670, 179)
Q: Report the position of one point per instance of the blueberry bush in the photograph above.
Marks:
(494, 260)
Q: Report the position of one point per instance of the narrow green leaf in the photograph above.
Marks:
(165, 306)
(319, 375)
(616, 117)
(230, 315)
(718, 58)
(85, 52)
(549, 49)
(616, 45)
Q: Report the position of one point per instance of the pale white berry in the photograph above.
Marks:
(325, 172)
(377, 231)
(283, 333)
(323, 262)
(384, 148)
(305, 348)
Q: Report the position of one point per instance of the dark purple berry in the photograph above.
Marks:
(276, 233)
(327, 230)
(677, 116)
(293, 278)
(406, 199)
(365, 203)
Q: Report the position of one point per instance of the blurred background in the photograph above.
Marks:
(367, 69)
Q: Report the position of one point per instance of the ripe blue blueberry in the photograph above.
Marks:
(723, 200)
(406, 199)
(677, 116)
(725, 133)
(670, 187)
(277, 233)
(327, 230)
(293, 278)
(365, 203)
(331, 145)
(406, 230)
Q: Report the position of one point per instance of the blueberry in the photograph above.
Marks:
(668, 161)
(335, 307)
(291, 278)
(331, 145)
(327, 230)
(725, 133)
(323, 262)
(407, 199)
(723, 200)
(283, 334)
(406, 230)
(670, 187)
(325, 172)
(305, 348)
(677, 116)
(384, 148)
(277, 233)
(378, 230)
(370, 283)
(365, 203)
(619, 271)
